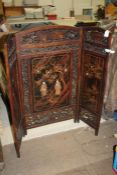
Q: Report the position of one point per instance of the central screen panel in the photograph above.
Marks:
(51, 81)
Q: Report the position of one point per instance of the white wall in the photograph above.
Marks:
(63, 7)
(5, 134)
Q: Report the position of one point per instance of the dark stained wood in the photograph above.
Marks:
(93, 76)
(18, 126)
(55, 73)
(47, 55)
(43, 71)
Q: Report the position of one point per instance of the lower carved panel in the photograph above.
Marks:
(90, 118)
(52, 116)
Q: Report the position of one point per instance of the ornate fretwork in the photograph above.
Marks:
(46, 117)
(12, 58)
(11, 46)
(89, 117)
(94, 63)
(55, 83)
(39, 66)
(50, 35)
(32, 51)
(92, 81)
(95, 37)
(95, 49)
(26, 65)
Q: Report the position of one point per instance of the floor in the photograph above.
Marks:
(74, 152)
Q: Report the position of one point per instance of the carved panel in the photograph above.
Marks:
(95, 49)
(92, 81)
(93, 75)
(49, 59)
(89, 117)
(36, 50)
(26, 65)
(96, 37)
(51, 81)
(39, 48)
(60, 67)
(51, 116)
(11, 45)
(50, 35)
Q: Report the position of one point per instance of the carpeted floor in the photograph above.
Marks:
(75, 152)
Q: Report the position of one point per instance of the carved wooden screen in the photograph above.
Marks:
(49, 59)
(52, 77)
(93, 76)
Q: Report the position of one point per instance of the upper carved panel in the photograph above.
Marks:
(48, 35)
(96, 37)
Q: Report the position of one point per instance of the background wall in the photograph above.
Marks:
(63, 8)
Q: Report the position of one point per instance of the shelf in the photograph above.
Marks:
(16, 10)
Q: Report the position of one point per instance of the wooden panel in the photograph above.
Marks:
(51, 81)
(93, 76)
(47, 58)
(93, 73)
(17, 119)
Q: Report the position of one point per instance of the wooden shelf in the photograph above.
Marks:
(16, 10)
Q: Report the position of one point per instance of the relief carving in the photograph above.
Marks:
(49, 36)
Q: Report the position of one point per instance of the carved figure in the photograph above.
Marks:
(43, 89)
(58, 87)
